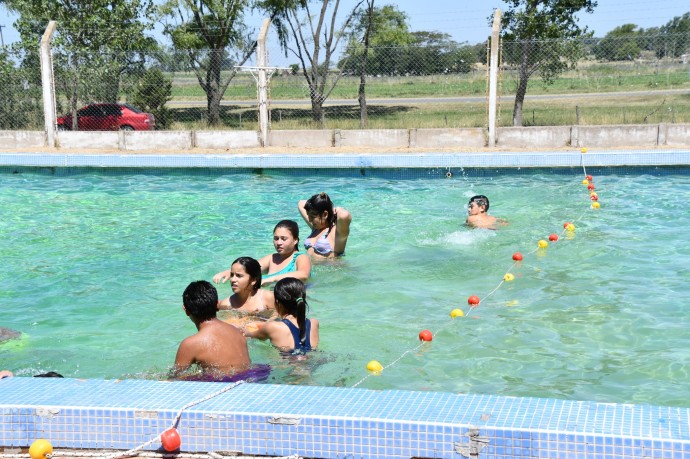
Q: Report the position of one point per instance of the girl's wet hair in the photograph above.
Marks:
(291, 298)
(253, 269)
(480, 200)
(292, 227)
(318, 204)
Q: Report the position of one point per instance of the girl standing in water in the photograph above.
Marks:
(293, 333)
(330, 226)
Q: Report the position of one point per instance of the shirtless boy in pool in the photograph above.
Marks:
(218, 348)
(478, 216)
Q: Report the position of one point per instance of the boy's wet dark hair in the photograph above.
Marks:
(318, 204)
(480, 200)
(253, 269)
(200, 298)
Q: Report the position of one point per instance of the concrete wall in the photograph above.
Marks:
(220, 140)
(677, 135)
(636, 136)
(533, 137)
(108, 140)
(639, 135)
(383, 138)
(448, 138)
(22, 139)
(301, 138)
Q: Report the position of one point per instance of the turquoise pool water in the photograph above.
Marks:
(93, 266)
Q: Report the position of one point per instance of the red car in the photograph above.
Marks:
(109, 117)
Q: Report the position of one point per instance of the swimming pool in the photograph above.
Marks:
(95, 262)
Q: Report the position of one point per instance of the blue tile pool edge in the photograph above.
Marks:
(332, 422)
(358, 161)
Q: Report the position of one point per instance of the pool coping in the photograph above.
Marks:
(515, 159)
(332, 422)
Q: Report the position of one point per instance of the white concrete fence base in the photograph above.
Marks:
(629, 135)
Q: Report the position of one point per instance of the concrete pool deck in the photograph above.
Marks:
(333, 422)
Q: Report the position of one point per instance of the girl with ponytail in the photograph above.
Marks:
(330, 226)
(293, 333)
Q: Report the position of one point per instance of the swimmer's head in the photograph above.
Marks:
(320, 206)
(291, 299)
(291, 227)
(479, 200)
(200, 300)
(253, 270)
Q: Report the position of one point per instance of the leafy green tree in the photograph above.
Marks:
(314, 39)
(97, 41)
(620, 44)
(677, 36)
(540, 36)
(214, 36)
(388, 35)
(21, 106)
(436, 53)
(151, 94)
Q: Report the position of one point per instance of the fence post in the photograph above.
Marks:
(261, 64)
(48, 83)
(493, 77)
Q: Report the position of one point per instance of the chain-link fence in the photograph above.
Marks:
(623, 80)
(21, 103)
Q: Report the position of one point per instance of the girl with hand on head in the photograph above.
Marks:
(330, 226)
(293, 333)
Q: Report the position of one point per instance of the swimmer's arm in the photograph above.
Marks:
(343, 218)
(265, 263)
(269, 299)
(224, 304)
(222, 276)
(257, 330)
(303, 212)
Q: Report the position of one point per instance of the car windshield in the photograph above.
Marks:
(135, 110)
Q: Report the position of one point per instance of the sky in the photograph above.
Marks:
(466, 20)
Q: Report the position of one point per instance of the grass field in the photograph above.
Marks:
(611, 93)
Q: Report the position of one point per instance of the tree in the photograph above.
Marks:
(388, 34)
(213, 35)
(539, 36)
(362, 90)
(435, 53)
(151, 94)
(20, 107)
(677, 35)
(315, 38)
(620, 44)
(96, 42)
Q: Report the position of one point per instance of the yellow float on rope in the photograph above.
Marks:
(41, 449)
